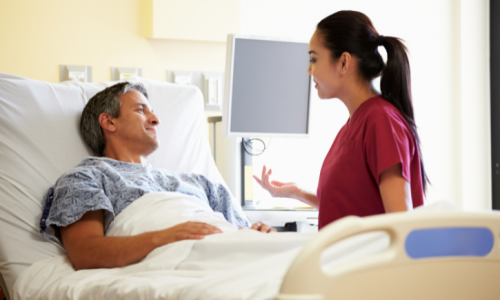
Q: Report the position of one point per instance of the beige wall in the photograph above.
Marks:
(448, 44)
(37, 36)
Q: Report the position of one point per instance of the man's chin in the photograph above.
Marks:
(150, 147)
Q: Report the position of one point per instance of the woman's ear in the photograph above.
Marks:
(345, 62)
(106, 122)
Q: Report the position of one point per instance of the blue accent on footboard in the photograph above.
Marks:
(456, 241)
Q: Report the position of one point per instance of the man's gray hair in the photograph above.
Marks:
(106, 101)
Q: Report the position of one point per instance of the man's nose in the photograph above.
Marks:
(153, 119)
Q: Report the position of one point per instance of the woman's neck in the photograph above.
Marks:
(356, 95)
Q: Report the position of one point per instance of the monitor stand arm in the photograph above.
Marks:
(247, 200)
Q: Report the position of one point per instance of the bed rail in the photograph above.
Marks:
(431, 255)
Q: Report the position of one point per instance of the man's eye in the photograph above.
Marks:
(312, 60)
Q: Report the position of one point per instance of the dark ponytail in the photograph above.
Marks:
(353, 32)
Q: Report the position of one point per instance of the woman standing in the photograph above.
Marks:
(374, 165)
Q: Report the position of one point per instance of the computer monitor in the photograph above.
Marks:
(267, 88)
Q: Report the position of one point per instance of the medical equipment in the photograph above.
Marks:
(267, 88)
(39, 141)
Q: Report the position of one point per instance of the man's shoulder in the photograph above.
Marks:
(94, 161)
(101, 163)
(87, 168)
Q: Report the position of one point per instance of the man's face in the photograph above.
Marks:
(136, 126)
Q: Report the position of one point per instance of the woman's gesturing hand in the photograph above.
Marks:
(276, 188)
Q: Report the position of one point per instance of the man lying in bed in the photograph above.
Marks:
(119, 125)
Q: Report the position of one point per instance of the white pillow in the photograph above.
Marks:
(40, 140)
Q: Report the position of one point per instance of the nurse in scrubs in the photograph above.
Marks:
(374, 165)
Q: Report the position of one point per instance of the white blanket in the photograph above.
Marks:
(238, 264)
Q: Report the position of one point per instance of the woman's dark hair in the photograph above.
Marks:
(353, 32)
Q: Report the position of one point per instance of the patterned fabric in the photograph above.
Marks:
(112, 185)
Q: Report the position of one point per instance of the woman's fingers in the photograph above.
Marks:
(267, 177)
(271, 186)
(277, 183)
(263, 176)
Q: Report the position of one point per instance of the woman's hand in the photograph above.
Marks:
(276, 188)
(286, 190)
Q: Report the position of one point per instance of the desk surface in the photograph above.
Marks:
(278, 209)
(281, 215)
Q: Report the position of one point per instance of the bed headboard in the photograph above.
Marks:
(39, 140)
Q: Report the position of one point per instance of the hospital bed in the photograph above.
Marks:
(443, 254)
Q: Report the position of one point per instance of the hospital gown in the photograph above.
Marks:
(111, 185)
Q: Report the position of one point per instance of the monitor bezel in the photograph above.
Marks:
(228, 91)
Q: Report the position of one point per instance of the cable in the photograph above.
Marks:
(248, 143)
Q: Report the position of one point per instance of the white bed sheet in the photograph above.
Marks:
(238, 264)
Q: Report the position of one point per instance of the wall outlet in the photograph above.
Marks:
(213, 87)
(77, 76)
(124, 73)
(183, 77)
(75, 73)
(211, 84)
(212, 90)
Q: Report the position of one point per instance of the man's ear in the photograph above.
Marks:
(107, 123)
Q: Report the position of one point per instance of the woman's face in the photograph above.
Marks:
(326, 73)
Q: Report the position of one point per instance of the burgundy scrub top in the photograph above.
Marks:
(374, 139)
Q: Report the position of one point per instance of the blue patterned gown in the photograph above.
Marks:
(111, 185)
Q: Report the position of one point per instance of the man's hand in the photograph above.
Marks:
(184, 231)
(259, 226)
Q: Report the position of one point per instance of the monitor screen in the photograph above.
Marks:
(267, 88)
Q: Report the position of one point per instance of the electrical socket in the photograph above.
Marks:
(75, 73)
(123, 73)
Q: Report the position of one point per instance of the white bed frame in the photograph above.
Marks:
(393, 274)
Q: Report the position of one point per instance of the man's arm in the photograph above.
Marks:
(88, 248)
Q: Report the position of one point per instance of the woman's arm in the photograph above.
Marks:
(395, 190)
(286, 190)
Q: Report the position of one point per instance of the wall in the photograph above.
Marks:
(37, 36)
(474, 85)
(448, 44)
(447, 39)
